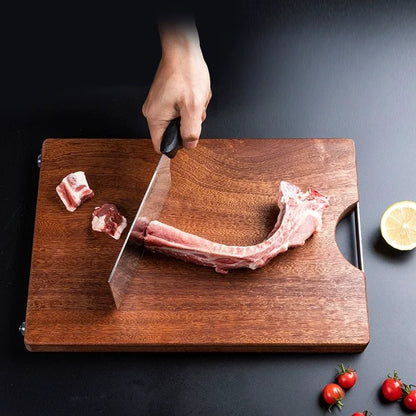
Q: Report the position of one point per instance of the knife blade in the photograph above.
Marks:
(151, 206)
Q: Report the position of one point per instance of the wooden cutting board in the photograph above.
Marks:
(307, 299)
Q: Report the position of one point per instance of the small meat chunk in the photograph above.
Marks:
(107, 219)
(74, 190)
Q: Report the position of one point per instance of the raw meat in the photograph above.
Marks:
(74, 190)
(107, 219)
(300, 215)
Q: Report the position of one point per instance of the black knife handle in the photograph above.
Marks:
(171, 140)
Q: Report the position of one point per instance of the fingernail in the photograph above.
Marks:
(190, 145)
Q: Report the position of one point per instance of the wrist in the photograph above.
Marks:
(178, 37)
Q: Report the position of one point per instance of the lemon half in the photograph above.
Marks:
(398, 225)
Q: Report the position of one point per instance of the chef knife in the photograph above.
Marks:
(151, 206)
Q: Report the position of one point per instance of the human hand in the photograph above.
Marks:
(181, 87)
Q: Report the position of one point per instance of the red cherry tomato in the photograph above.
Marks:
(392, 387)
(346, 377)
(365, 413)
(333, 395)
(410, 398)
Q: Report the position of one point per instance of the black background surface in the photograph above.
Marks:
(278, 69)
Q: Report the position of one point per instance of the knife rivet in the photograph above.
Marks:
(22, 328)
(39, 160)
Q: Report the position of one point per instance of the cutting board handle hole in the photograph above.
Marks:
(348, 237)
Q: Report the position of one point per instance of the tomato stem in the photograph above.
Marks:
(343, 369)
(337, 402)
(395, 375)
(407, 388)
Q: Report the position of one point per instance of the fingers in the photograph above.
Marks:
(156, 130)
(157, 126)
(192, 118)
(190, 131)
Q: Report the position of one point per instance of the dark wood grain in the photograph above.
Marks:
(308, 299)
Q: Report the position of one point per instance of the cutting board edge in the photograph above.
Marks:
(357, 347)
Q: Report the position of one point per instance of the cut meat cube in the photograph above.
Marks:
(107, 219)
(74, 190)
(300, 215)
